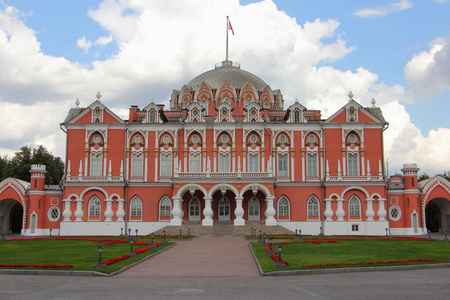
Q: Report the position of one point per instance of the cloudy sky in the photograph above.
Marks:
(136, 51)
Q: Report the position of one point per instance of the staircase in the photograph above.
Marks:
(222, 228)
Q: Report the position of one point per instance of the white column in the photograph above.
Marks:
(67, 213)
(369, 211)
(270, 212)
(328, 211)
(79, 212)
(208, 212)
(108, 211)
(381, 210)
(239, 212)
(340, 213)
(177, 212)
(120, 214)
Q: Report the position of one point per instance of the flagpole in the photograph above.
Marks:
(226, 56)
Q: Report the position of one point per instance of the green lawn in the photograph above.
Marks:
(79, 253)
(360, 250)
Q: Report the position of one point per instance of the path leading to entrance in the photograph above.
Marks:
(202, 256)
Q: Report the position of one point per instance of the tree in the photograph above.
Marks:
(19, 166)
(423, 177)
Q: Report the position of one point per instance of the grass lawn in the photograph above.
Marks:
(82, 254)
(352, 251)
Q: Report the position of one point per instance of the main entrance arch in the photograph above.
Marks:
(11, 216)
(436, 204)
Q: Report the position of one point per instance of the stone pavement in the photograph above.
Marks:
(201, 256)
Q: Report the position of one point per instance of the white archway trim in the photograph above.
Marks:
(355, 188)
(228, 186)
(94, 188)
(16, 186)
(186, 187)
(248, 187)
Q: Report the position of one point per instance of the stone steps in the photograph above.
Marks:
(222, 228)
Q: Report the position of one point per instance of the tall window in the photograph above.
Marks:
(313, 207)
(283, 165)
(352, 162)
(296, 116)
(354, 207)
(224, 162)
(137, 165)
(311, 170)
(166, 165)
(96, 164)
(253, 162)
(94, 207)
(165, 206)
(152, 116)
(283, 207)
(136, 207)
(194, 162)
(204, 104)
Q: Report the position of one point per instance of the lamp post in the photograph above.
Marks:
(50, 233)
(189, 231)
(131, 253)
(445, 235)
(279, 264)
(263, 245)
(429, 233)
(180, 237)
(164, 240)
(296, 238)
(129, 231)
(136, 232)
(252, 232)
(3, 235)
(99, 265)
(152, 245)
(260, 240)
(270, 252)
(300, 235)
(121, 231)
(387, 233)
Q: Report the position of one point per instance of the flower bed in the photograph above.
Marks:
(372, 263)
(35, 266)
(126, 256)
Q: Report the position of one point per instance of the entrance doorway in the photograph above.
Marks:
(224, 209)
(254, 209)
(433, 213)
(194, 209)
(11, 216)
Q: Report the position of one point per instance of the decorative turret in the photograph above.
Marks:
(396, 179)
(410, 175)
(38, 177)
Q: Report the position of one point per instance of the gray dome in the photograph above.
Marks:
(227, 72)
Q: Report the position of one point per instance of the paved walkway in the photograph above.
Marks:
(202, 256)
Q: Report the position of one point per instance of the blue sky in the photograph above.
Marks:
(380, 39)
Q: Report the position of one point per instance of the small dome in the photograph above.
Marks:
(227, 72)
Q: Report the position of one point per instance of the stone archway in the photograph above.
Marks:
(11, 216)
(437, 215)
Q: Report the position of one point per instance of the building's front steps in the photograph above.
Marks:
(222, 228)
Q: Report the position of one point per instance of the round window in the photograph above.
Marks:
(224, 138)
(395, 213)
(311, 138)
(53, 214)
(282, 138)
(97, 111)
(352, 138)
(351, 111)
(166, 139)
(195, 138)
(97, 139)
(224, 112)
(253, 138)
(195, 112)
(253, 112)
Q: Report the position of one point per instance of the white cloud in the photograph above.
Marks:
(429, 71)
(161, 47)
(382, 11)
(84, 44)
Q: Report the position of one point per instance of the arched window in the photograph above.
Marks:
(152, 116)
(96, 164)
(296, 116)
(312, 169)
(253, 162)
(354, 207)
(136, 207)
(137, 164)
(283, 165)
(194, 209)
(283, 207)
(204, 104)
(195, 162)
(166, 165)
(313, 207)
(165, 206)
(94, 207)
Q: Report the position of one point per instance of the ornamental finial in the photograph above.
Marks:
(350, 96)
(373, 102)
(77, 102)
(98, 96)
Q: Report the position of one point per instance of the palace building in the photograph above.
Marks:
(225, 150)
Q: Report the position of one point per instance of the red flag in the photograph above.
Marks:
(230, 27)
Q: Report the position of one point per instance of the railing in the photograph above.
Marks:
(354, 178)
(224, 175)
(94, 178)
